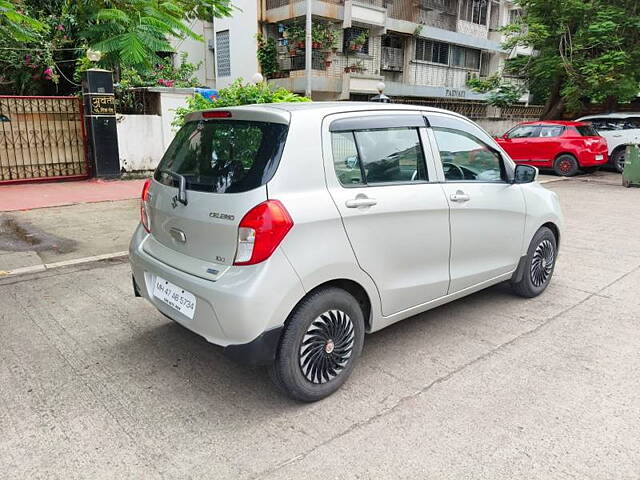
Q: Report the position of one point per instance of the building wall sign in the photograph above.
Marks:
(102, 105)
(455, 93)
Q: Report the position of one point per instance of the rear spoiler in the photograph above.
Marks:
(255, 113)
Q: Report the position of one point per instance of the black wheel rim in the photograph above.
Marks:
(542, 263)
(327, 346)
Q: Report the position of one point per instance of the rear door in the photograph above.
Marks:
(487, 212)
(226, 164)
(546, 145)
(395, 216)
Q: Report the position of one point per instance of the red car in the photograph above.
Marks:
(565, 147)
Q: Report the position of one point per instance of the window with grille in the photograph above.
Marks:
(223, 54)
(350, 35)
(465, 57)
(514, 15)
(474, 11)
(430, 51)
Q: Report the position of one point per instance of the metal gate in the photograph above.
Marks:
(42, 138)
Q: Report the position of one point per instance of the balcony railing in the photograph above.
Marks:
(283, 3)
(392, 59)
(422, 10)
(297, 62)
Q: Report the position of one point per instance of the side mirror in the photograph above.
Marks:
(506, 136)
(525, 174)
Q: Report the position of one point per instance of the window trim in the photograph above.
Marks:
(420, 130)
(504, 173)
(536, 127)
(563, 129)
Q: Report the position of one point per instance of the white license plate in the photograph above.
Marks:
(174, 296)
(599, 157)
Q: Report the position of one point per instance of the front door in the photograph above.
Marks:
(517, 142)
(487, 212)
(396, 220)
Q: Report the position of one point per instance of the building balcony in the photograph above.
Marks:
(281, 10)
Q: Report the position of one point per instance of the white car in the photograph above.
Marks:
(285, 232)
(620, 130)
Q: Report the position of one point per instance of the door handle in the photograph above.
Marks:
(361, 201)
(459, 196)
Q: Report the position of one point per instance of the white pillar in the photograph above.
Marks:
(308, 51)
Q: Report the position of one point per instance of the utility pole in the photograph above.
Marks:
(308, 51)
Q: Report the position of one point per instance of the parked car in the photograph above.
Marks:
(285, 232)
(620, 130)
(566, 147)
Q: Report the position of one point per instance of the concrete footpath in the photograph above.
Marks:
(44, 226)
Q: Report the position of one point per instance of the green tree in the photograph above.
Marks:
(500, 92)
(586, 51)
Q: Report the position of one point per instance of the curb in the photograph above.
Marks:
(65, 263)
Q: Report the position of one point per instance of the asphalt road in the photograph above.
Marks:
(94, 383)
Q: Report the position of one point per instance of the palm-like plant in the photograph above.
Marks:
(16, 25)
(133, 32)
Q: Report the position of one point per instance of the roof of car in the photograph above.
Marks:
(325, 108)
(555, 122)
(611, 115)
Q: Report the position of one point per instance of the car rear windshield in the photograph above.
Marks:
(223, 156)
(587, 131)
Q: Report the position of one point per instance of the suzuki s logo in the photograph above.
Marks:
(174, 201)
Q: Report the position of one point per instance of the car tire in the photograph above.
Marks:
(566, 165)
(538, 266)
(320, 345)
(617, 159)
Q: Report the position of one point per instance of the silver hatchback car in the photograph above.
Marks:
(285, 232)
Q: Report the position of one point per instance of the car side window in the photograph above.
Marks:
(466, 158)
(375, 156)
(632, 123)
(391, 155)
(607, 124)
(524, 131)
(550, 131)
(345, 159)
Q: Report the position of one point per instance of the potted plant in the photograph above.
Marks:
(295, 35)
(357, 43)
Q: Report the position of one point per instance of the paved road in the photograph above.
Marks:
(96, 384)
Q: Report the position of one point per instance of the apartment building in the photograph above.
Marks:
(420, 49)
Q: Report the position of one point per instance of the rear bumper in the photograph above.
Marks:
(589, 159)
(242, 311)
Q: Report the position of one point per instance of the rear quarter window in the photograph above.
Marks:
(587, 131)
(223, 156)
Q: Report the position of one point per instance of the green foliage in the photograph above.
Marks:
(163, 74)
(56, 34)
(267, 55)
(238, 93)
(501, 92)
(16, 25)
(586, 51)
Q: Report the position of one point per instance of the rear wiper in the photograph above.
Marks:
(182, 188)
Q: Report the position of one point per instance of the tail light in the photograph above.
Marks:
(260, 232)
(144, 215)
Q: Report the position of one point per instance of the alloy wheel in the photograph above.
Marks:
(326, 346)
(542, 263)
